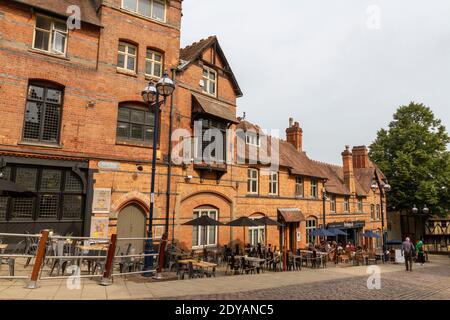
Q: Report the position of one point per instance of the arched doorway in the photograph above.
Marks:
(131, 224)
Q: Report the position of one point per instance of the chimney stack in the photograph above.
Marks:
(349, 177)
(294, 135)
(360, 157)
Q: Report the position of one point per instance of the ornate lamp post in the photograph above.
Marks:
(383, 187)
(151, 95)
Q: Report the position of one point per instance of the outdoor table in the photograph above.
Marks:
(256, 262)
(200, 264)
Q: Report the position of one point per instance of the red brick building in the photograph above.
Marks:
(76, 131)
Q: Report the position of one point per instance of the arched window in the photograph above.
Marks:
(205, 236)
(311, 224)
(43, 112)
(256, 234)
(135, 123)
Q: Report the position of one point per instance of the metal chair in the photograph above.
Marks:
(62, 249)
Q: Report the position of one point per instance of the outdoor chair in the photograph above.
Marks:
(290, 264)
(182, 269)
(344, 258)
(371, 259)
(62, 249)
(126, 264)
(247, 267)
(359, 259)
(194, 272)
(233, 266)
(11, 261)
(31, 247)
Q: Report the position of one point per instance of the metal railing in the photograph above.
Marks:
(44, 252)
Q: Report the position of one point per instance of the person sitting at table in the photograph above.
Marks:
(327, 247)
(350, 247)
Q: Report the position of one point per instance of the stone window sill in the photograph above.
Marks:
(126, 72)
(135, 144)
(49, 54)
(39, 144)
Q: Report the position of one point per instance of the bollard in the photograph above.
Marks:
(162, 251)
(39, 259)
(106, 279)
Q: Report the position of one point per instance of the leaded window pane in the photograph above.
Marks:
(134, 124)
(36, 93)
(48, 206)
(3, 207)
(72, 207)
(51, 180)
(6, 173)
(73, 182)
(22, 208)
(27, 177)
(137, 132)
(51, 123)
(137, 116)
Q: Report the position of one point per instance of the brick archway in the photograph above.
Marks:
(134, 197)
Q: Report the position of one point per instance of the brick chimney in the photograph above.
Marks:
(360, 157)
(349, 177)
(294, 135)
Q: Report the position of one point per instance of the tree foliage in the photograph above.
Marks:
(413, 155)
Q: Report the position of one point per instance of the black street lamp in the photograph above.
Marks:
(151, 95)
(383, 187)
(421, 213)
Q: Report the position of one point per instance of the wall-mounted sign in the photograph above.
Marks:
(299, 236)
(108, 165)
(159, 231)
(102, 200)
(99, 227)
(347, 225)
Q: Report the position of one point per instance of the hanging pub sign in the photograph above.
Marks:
(102, 200)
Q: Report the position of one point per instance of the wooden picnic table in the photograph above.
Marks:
(94, 247)
(201, 264)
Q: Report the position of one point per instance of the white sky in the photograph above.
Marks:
(319, 62)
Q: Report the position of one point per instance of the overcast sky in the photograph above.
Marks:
(337, 67)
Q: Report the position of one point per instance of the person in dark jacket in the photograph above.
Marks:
(407, 252)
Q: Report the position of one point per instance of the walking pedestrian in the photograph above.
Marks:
(420, 253)
(407, 252)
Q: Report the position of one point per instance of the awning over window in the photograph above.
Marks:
(291, 214)
(214, 108)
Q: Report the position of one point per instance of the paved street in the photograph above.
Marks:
(431, 281)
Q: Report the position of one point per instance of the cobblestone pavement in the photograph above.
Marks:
(422, 284)
(431, 281)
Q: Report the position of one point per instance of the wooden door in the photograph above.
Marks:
(131, 224)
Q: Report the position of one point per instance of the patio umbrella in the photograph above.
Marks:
(371, 234)
(203, 221)
(266, 221)
(11, 189)
(243, 222)
(337, 232)
(321, 233)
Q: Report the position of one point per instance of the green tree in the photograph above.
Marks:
(413, 155)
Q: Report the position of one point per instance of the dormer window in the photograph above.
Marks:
(252, 138)
(209, 81)
(154, 9)
(50, 35)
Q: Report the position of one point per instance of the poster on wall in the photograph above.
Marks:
(299, 236)
(159, 230)
(99, 227)
(102, 200)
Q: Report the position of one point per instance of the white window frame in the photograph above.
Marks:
(315, 186)
(252, 139)
(297, 184)
(126, 54)
(360, 205)
(210, 212)
(250, 179)
(372, 212)
(346, 204)
(51, 38)
(208, 81)
(332, 203)
(151, 10)
(260, 232)
(152, 61)
(378, 212)
(273, 183)
(308, 227)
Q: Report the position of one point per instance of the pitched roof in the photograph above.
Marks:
(88, 8)
(298, 163)
(195, 51)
